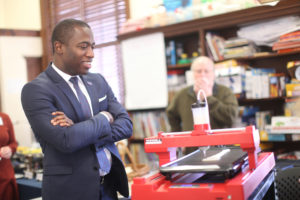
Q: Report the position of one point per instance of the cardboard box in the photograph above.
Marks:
(282, 124)
(292, 89)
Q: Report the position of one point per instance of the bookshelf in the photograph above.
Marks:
(265, 55)
(179, 66)
(192, 35)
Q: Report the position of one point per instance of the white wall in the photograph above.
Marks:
(25, 15)
(1, 13)
(17, 15)
(20, 14)
(13, 71)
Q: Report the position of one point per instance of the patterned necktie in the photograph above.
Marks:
(81, 97)
(101, 156)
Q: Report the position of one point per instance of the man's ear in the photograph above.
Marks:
(58, 47)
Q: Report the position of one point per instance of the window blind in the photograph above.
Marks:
(105, 18)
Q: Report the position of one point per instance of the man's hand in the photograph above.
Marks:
(109, 116)
(205, 85)
(6, 152)
(61, 119)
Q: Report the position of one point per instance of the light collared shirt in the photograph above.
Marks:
(67, 77)
(82, 87)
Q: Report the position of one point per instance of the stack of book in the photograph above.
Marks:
(215, 45)
(147, 124)
(140, 156)
(239, 47)
(293, 89)
(230, 73)
(288, 42)
(252, 83)
(176, 81)
(284, 124)
(262, 119)
(221, 49)
(277, 83)
(293, 68)
(257, 83)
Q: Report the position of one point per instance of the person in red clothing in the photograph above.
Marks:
(8, 146)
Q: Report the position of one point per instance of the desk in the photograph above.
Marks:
(265, 189)
(29, 188)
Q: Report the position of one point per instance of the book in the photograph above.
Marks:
(292, 89)
(257, 84)
(288, 50)
(226, 63)
(218, 44)
(147, 124)
(236, 42)
(286, 44)
(209, 41)
(282, 124)
(171, 53)
(277, 84)
(215, 44)
(290, 41)
(242, 51)
(290, 36)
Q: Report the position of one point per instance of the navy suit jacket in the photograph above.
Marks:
(70, 163)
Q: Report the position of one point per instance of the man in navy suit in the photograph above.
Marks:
(70, 139)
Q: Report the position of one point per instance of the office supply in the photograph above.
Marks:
(223, 162)
(145, 72)
(29, 188)
(242, 186)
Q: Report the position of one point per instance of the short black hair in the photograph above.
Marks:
(64, 30)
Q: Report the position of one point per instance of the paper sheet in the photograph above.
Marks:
(145, 72)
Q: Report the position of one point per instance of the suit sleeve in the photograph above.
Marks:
(121, 128)
(38, 104)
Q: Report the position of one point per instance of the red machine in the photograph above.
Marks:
(157, 187)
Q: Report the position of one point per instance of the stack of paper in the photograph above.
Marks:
(268, 32)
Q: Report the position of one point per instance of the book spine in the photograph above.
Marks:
(211, 46)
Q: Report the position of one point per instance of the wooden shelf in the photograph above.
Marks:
(215, 22)
(243, 101)
(179, 66)
(286, 141)
(263, 100)
(192, 36)
(268, 55)
(262, 55)
(282, 146)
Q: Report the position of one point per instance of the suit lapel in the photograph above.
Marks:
(65, 88)
(90, 87)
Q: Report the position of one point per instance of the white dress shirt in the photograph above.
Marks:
(82, 87)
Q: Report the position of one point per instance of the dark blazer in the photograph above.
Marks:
(70, 162)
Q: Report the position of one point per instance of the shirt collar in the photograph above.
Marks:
(64, 75)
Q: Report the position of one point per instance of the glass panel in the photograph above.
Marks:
(106, 63)
(105, 18)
